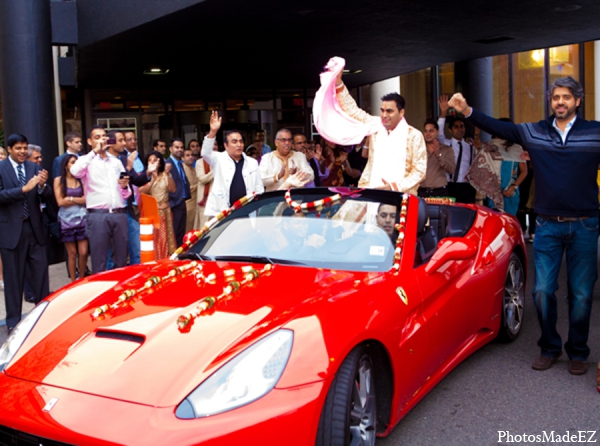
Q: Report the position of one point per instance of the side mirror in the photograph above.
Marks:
(451, 248)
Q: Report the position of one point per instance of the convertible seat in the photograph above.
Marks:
(427, 238)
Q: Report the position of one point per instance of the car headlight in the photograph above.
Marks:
(19, 334)
(245, 378)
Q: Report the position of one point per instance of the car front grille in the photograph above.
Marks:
(12, 437)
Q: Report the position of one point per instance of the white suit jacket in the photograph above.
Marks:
(223, 167)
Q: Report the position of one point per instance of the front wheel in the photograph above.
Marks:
(349, 416)
(513, 300)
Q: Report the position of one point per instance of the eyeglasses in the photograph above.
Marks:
(284, 140)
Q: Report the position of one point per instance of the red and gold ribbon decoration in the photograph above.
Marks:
(192, 237)
(185, 321)
(401, 228)
(311, 206)
(130, 296)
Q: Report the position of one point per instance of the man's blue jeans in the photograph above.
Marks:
(579, 239)
(133, 243)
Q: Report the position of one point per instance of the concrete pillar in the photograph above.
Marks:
(475, 79)
(480, 78)
(597, 79)
(381, 88)
(26, 73)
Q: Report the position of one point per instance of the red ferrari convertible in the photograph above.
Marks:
(320, 316)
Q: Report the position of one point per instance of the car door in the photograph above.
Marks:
(450, 293)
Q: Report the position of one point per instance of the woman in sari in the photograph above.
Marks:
(497, 172)
(335, 156)
(159, 187)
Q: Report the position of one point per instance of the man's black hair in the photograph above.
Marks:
(398, 99)
(229, 132)
(432, 122)
(14, 139)
(113, 133)
(454, 119)
(92, 128)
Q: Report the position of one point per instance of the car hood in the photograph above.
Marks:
(137, 352)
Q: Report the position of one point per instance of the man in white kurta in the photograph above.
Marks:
(397, 154)
(278, 166)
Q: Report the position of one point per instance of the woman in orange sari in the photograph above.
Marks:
(159, 187)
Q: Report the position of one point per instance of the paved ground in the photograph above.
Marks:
(494, 390)
(58, 279)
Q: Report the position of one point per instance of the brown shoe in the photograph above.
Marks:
(544, 362)
(577, 367)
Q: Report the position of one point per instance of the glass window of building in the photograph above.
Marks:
(564, 61)
(416, 89)
(447, 79)
(501, 85)
(529, 97)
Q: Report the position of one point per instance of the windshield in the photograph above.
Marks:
(353, 233)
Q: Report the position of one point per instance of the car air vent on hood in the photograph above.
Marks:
(119, 336)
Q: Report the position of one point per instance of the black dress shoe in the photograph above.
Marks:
(30, 299)
(9, 329)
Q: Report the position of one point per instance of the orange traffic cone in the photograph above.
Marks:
(146, 240)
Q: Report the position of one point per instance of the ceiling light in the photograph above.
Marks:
(352, 71)
(156, 71)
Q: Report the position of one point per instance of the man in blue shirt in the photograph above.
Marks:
(565, 154)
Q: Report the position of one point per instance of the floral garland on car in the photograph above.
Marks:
(185, 321)
(401, 228)
(130, 296)
(311, 206)
(192, 237)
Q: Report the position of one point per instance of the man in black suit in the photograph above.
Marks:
(22, 233)
(177, 199)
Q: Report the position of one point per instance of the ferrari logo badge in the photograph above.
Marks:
(402, 295)
(50, 404)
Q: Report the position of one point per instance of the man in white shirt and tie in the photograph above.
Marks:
(458, 186)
